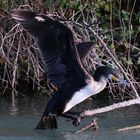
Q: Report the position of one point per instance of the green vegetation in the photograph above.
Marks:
(116, 22)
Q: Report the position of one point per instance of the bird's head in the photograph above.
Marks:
(105, 72)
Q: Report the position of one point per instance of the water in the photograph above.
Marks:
(18, 120)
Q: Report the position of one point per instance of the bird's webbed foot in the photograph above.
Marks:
(76, 121)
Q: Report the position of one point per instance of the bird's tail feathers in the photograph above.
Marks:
(47, 122)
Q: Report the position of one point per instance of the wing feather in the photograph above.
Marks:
(56, 43)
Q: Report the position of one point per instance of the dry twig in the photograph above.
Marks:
(92, 125)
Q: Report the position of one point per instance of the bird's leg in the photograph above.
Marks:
(73, 113)
(76, 120)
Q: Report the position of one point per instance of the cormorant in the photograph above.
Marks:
(63, 66)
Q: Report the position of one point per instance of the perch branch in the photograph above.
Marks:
(129, 128)
(94, 125)
(109, 108)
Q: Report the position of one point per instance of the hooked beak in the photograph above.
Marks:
(120, 81)
(112, 77)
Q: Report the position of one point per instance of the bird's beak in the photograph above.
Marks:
(120, 81)
(112, 77)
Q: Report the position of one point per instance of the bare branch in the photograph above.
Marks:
(129, 128)
(116, 62)
(93, 125)
(109, 108)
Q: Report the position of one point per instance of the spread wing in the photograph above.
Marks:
(84, 49)
(88, 56)
(56, 43)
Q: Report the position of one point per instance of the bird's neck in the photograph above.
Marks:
(98, 86)
(91, 89)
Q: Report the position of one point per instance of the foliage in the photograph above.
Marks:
(117, 22)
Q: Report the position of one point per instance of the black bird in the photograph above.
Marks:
(63, 66)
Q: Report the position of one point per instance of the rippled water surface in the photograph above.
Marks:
(18, 120)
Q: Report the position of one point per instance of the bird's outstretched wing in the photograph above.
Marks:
(84, 49)
(88, 56)
(56, 43)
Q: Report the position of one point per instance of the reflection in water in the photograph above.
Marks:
(13, 108)
(18, 122)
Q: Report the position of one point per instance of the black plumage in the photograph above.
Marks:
(63, 64)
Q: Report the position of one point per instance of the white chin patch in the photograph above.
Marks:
(40, 19)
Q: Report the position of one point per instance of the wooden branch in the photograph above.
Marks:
(129, 128)
(93, 125)
(109, 108)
